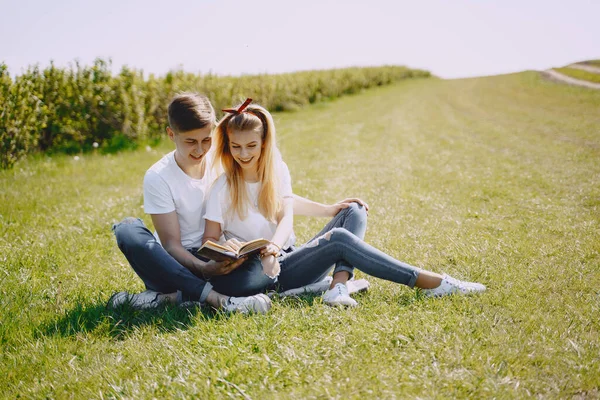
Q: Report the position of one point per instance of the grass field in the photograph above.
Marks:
(494, 179)
(579, 74)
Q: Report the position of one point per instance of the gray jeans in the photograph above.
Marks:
(312, 262)
(162, 273)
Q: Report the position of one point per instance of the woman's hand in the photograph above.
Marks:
(233, 244)
(340, 205)
(271, 249)
(271, 266)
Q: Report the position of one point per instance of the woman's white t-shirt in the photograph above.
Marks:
(254, 225)
(167, 188)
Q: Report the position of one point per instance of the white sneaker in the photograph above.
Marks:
(317, 287)
(259, 303)
(338, 296)
(452, 285)
(354, 286)
(357, 286)
(140, 301)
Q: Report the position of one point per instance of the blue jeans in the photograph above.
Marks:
(354, 220)
(311, 262)
(162, 273)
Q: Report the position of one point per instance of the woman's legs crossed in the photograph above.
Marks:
(354, 220)
(312, 261)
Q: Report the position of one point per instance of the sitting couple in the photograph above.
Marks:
(252, 198)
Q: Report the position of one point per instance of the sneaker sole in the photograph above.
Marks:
(358, 286)
(341, 304)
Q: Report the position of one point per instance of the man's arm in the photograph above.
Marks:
(167, 227)
(309, 208)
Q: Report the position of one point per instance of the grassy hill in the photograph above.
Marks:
(580, 73)
(591, 62)
(493, 179)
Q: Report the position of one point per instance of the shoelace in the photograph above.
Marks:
(460, 285)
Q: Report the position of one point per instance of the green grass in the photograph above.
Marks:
(591, 62)
(579, 74)
(493, 179)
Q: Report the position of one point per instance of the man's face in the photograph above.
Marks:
(191, 146)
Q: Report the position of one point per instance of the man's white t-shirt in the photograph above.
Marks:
(167, 188)
(255, 225)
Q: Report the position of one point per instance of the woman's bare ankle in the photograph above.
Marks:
(428, 280)
(339, 277)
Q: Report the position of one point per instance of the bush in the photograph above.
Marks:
(66, 110)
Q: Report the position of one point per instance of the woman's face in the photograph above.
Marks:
(246, 148)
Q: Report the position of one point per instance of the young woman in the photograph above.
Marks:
(252, 199)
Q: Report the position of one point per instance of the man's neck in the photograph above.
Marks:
(195, 171)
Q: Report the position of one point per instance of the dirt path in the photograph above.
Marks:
(556, 76)
(586, 67)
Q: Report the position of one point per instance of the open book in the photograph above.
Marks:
(217, 252)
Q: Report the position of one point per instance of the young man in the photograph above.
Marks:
(174, 192)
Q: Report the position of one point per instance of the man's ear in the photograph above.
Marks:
(170, 133)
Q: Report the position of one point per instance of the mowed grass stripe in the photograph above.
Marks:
(494, 179)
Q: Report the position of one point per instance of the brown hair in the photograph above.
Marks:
(254, 118)
(190, 111)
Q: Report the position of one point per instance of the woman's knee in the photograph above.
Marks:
(357, 211)
(336, 235)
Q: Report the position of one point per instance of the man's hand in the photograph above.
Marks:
(340, 205)
(215, 268)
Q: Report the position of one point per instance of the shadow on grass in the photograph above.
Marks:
(87, 318)
(118, 322)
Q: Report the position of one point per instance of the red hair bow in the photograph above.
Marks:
(240, 108)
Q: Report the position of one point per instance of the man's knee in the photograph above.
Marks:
(130, 232)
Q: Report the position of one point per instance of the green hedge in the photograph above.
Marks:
(67, 110)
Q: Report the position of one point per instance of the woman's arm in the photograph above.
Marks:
(212, 231)
(285, 223)
(309, 208)
(284, 229)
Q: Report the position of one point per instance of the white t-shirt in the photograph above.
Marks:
(167, 188)
(255, 225)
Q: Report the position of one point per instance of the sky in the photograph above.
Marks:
(450, 38)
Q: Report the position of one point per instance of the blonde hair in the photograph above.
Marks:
(257, 119)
